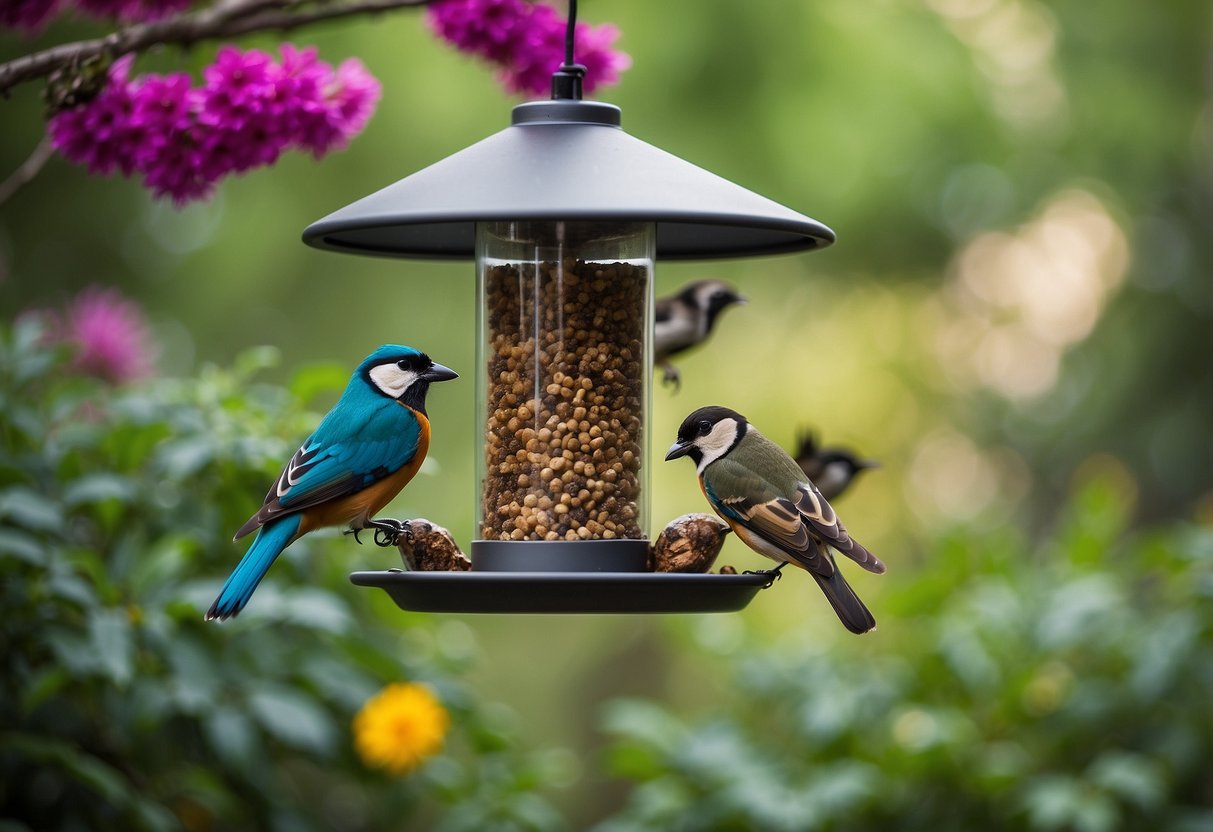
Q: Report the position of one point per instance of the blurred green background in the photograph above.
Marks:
(1017, 313)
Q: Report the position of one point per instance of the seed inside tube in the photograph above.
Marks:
(565, 400)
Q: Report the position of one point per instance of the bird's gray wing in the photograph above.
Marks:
(819, 515)
(752, 501)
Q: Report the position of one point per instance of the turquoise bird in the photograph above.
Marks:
(772, 506)
(365, 450)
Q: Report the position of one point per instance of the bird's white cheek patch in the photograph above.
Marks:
(392, 380)
(718, 442)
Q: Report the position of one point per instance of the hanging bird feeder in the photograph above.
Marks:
(565, 215)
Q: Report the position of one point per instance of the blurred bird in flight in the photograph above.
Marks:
(832, 470)
(685, 319)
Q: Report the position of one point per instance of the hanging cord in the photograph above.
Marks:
(566, 81)
(570, 33)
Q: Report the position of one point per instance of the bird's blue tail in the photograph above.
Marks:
(271, 539)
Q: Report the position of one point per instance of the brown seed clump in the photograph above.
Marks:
(689, 543)
(565, 401)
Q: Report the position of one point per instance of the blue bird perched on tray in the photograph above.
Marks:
(365, 450)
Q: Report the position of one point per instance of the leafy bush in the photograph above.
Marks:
(122, 708)
(1065, 688)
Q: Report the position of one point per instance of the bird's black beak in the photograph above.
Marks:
(679, 448)
(437, 372)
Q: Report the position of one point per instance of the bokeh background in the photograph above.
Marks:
(1016, 320)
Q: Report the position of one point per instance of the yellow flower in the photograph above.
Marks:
(399, 727)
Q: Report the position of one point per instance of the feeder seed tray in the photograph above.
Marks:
(566, 592)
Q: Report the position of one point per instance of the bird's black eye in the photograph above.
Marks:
(403, 363)
(705, 427)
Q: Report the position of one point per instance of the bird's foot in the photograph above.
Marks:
(670, 377)
(354, 532)
(772, 575)
(388, 532)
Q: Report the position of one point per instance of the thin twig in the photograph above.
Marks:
(226, 19)
(28, 170)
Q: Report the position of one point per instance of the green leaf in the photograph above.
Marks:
(110, 638)
(315, 379)
(101, 778)
(67, 585)
(318, 609)
(232, 735)
(645, 722)
(25, 507)
(182, 458)
(96, 488)
(22, 546)
(1131, 777)
(254, 360)
(294, 719)
(43, 686)
(71, 651)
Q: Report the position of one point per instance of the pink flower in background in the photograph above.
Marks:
(108, 333)
(250, 108)
(488, 28)
(527, 41)
(29, 15)
(130, 11)
(595, 50)
(32, 15)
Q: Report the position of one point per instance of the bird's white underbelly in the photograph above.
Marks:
(761, 546)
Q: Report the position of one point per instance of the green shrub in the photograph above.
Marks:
(122, 708)
(1065, 687)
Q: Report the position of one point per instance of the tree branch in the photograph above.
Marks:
(28, 170)
(225, 19)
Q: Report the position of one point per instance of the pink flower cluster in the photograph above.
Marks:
(108, 333)
(526, 40)
(182, 139)
(32, 15)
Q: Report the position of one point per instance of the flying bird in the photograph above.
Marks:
(772, 507)
(832, 470)
(685, 319)
(365, 450)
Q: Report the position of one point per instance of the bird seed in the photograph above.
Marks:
(565, 401)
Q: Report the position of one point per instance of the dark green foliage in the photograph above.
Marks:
(121, 708)
(1060, 689)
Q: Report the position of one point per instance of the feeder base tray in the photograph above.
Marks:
(568, 592)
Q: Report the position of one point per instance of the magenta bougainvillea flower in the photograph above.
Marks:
(526, 41)
(102, 134)
(28, 15)
(130, 11)
(250, 108)
(32, 15)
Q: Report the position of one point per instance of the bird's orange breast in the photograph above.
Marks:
(355, 509)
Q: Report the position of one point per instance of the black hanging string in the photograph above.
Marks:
(566, 81)
(569, 33)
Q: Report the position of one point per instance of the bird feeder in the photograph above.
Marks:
(565, 215)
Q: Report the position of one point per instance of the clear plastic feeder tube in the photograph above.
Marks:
(565, 321)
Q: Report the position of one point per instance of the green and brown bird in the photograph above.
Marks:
(760, 491)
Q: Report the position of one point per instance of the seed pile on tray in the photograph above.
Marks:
(565, 401)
